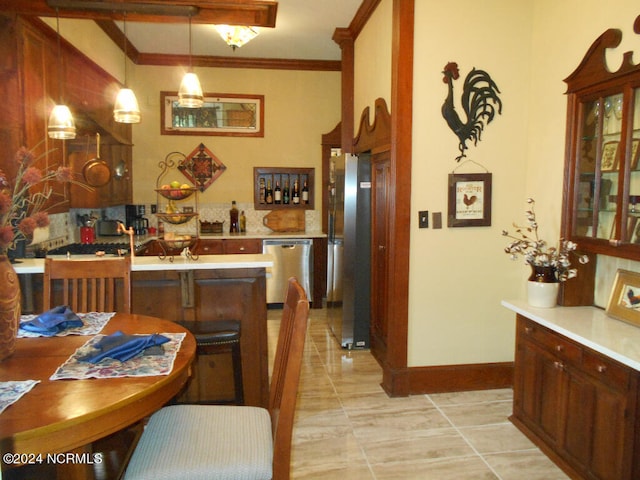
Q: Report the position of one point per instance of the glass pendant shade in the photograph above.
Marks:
(61, 125)
(190, 93)
(126, 109)
(236, 36)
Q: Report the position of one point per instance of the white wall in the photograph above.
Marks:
(300, 106)
(459, 275)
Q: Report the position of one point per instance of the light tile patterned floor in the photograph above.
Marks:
(348, 428)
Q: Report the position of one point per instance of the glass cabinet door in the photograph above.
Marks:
(633, 226)
(598, 168)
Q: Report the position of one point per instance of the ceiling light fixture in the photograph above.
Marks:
(126, 109)
(61, 125)
(236, 36)
(190, 94)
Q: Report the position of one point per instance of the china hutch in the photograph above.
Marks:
(602, 174)
(581, 407)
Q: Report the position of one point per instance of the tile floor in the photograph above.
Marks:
(347, 427)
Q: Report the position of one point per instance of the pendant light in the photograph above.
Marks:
(190, 93)
(61, 125)
(126, 109)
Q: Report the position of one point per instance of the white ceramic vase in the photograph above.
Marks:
(542, 295)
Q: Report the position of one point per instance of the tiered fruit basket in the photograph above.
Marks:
(177, 205)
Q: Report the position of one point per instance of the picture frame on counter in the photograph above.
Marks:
(624, 301)
(222, 114)
(469, 200)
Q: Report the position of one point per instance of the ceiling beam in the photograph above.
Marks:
(258, 13)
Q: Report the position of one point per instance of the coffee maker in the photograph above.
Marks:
(134, 218)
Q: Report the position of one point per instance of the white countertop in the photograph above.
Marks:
(141, 264)
(589, 326)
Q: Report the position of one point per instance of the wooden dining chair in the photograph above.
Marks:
(231, 442)
(88, 285)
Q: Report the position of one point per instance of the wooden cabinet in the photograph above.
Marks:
(579, 406)
(217, 294)
(283, 188)
(228, 246)
(34, 77)
(602, 175)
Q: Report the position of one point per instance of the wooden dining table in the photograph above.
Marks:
(59, 416)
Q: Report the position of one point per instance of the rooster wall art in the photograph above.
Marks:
(479, 100)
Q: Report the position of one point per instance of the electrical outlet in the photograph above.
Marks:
(154, 208)
(423, 219)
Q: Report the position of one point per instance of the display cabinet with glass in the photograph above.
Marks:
(601, 208)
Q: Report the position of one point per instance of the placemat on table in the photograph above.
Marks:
(11, 392)
(93, 324)
(139, 366)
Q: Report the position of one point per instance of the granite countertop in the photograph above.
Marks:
(140, 264)
(589, 326)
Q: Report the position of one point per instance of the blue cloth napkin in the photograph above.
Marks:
(121, 346)
(55, 320)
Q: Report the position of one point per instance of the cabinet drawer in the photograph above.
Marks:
(551, 341)
(606, 370)
(210, 247)
(249, 245)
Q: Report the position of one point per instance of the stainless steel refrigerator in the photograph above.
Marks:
(349, 254)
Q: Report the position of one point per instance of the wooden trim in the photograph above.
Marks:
(258, 13)
(400, 191)
(377, 134)
(458, 378)
(237, 62)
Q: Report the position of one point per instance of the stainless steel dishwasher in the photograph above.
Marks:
(291, 257)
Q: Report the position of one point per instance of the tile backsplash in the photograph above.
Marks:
(63, 228)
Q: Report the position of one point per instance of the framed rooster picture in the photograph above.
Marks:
(469, 200)
(624, 301)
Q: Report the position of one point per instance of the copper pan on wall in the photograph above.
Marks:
(96, 172)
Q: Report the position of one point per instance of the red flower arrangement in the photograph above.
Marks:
(22, 211)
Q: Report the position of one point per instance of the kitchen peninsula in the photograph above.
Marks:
(213, 287)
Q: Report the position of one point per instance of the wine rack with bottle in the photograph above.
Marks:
(283, 188)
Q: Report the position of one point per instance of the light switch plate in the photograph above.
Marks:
(423, 219)
(437, 219)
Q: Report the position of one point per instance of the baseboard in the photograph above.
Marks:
(447, 378)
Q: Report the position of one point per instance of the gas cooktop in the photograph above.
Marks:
(91, 249)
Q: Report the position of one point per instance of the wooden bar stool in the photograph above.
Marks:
(216, 337)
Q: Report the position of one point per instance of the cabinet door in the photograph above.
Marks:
(41, 86)
(159, 294)
(380, 205)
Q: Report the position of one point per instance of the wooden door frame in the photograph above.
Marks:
(395, 136)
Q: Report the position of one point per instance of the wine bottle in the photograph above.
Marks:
(263, 192)
(296, 193)
(285, 193)
(277, 194)
(269, 193)
(305, 193)
(233, 217)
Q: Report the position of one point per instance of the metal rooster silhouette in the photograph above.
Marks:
(479, 101)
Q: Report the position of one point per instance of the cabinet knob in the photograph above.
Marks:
(242, 249)
(558, 365)
(601, 368)
(528, 330)
(559, 348)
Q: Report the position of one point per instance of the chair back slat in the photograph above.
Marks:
(286, 375)
(88, 285)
